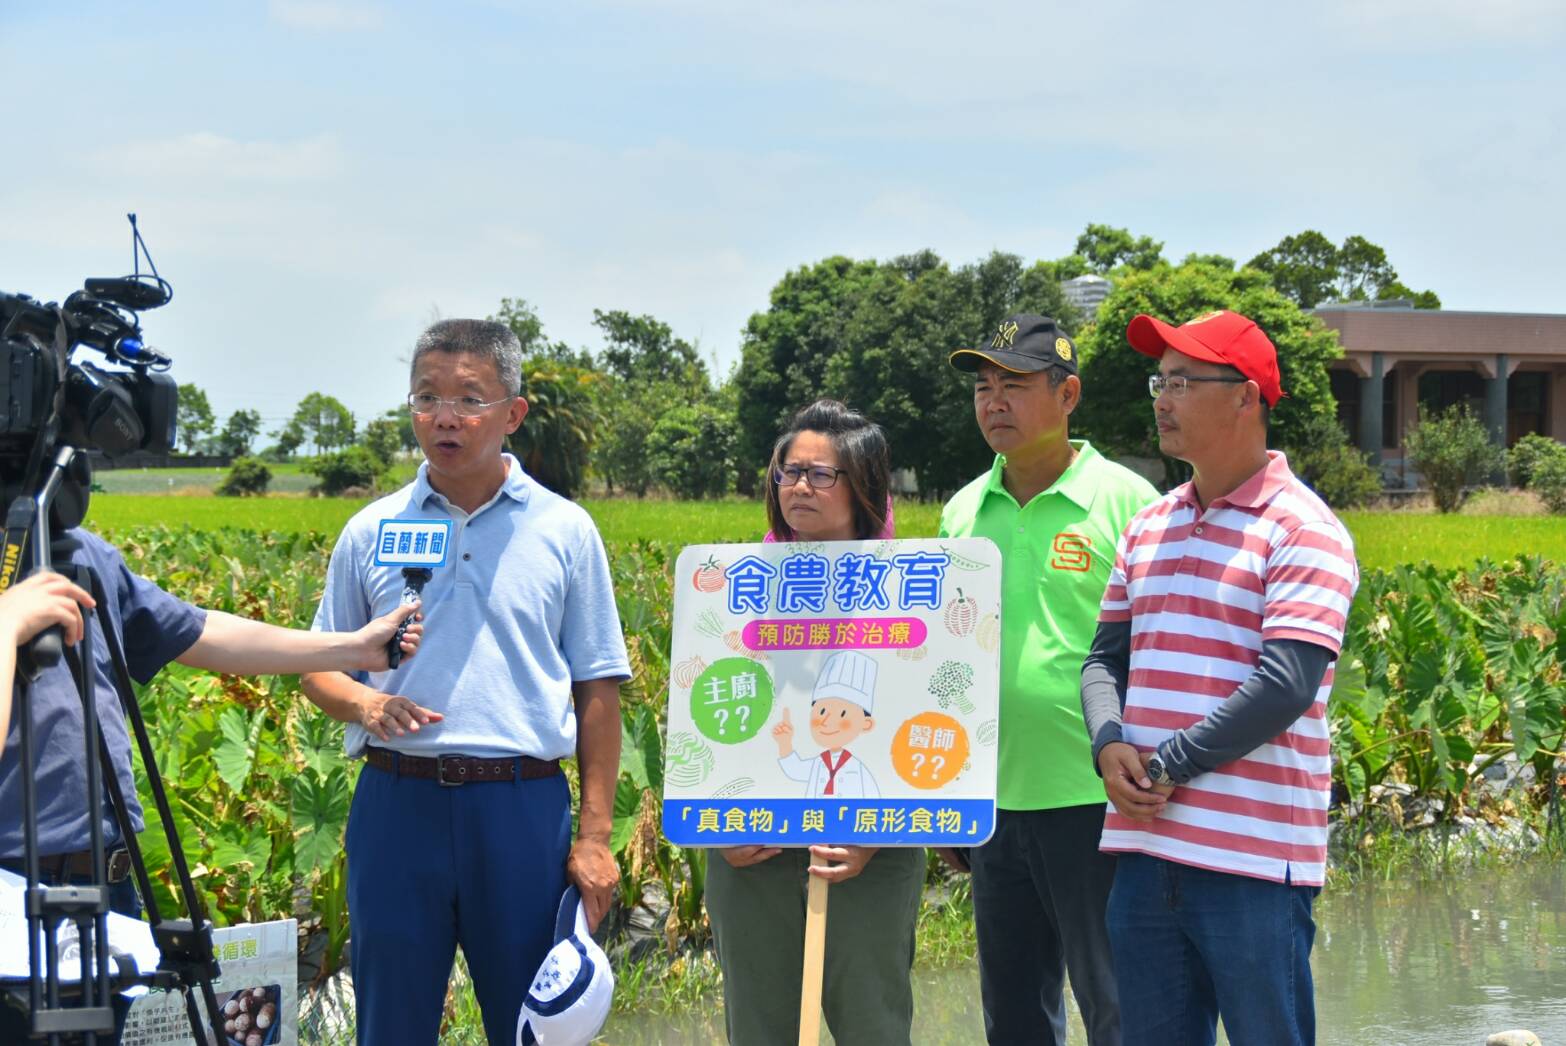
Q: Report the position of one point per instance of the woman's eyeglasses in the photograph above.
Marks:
(818, 476)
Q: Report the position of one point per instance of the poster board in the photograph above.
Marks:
(840, 692)
(260, 983)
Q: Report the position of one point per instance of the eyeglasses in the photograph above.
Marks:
(423, 403)
(818, 476)
(1177, 384)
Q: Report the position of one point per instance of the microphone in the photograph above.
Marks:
(418, 546)
(414, 580)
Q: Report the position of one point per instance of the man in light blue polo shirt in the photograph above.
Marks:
(460, 831)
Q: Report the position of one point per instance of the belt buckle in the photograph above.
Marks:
(440, 772)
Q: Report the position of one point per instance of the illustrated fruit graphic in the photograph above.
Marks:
(962, 614)
(710, 576)
(988, 633)
(949, 686)
(686, 671)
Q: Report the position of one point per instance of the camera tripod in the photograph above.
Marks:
(82, 1012)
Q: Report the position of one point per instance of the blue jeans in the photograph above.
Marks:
(1191, 945)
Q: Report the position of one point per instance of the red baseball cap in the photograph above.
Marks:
(1221, 337)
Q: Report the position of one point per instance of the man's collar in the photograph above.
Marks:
(1260, 488)
(1074, 484)
(517, 485)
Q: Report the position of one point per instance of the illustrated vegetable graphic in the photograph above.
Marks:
(962, 614)
(710, 576)
(963, 562)
(949, 685)
(689, 761)
(709, 624)
(686, 671)
(988, 633)
(912, 653)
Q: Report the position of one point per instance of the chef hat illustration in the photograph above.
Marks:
(849, 676)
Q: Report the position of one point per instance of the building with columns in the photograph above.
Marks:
(1509, 367)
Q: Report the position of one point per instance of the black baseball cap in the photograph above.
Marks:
(1024, 344)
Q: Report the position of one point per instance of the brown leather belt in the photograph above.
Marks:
(453, 770)
(78, 865)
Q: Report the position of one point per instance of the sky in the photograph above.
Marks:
(319, 180)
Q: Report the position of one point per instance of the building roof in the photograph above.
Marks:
(1448, 332)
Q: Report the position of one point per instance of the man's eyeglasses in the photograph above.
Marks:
(818, 476)
(424, 403)
(1177, 384)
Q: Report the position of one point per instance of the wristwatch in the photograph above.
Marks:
(1157, 772)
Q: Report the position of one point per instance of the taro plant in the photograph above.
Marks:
(1448, 671)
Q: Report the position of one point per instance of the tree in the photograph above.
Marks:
(382, 439)
(691, 450)
(878, 335)
(1116, 413)
(239, 432)
(1332, 466)
(346, 471)
(193, 417)
(555, 439)
(324, 421)
(1451, 449)
(629, 414)
(1304, 268)
(1398, 289)
(403, 419)
(524, 322)
(289, 439)
(1363, 270)
(786, 348)
(644, 350)
(246, 477)
(1310, 270)
(1221, 261)
(1106, 247)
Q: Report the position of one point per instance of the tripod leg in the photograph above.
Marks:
(195, 1017)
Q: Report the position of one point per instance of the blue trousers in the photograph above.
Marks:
(432, 867)
(1192, 944)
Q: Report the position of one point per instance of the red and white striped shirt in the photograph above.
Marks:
(1202, 590)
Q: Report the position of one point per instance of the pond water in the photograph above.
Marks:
(1441, 963)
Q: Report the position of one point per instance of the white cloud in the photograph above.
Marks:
(324, 17)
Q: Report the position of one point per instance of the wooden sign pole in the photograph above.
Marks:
(815, 957)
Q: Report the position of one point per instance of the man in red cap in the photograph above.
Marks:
(1205, 696)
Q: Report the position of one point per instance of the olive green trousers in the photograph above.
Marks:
(758, 919)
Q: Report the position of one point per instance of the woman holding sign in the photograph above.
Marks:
(830, 477)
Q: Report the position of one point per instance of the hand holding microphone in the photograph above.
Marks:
(398, 631)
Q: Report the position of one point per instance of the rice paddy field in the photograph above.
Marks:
(1383, 539)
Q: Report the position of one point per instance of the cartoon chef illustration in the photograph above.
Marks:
(840, 711)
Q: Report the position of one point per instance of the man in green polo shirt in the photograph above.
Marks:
(1056, 508)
